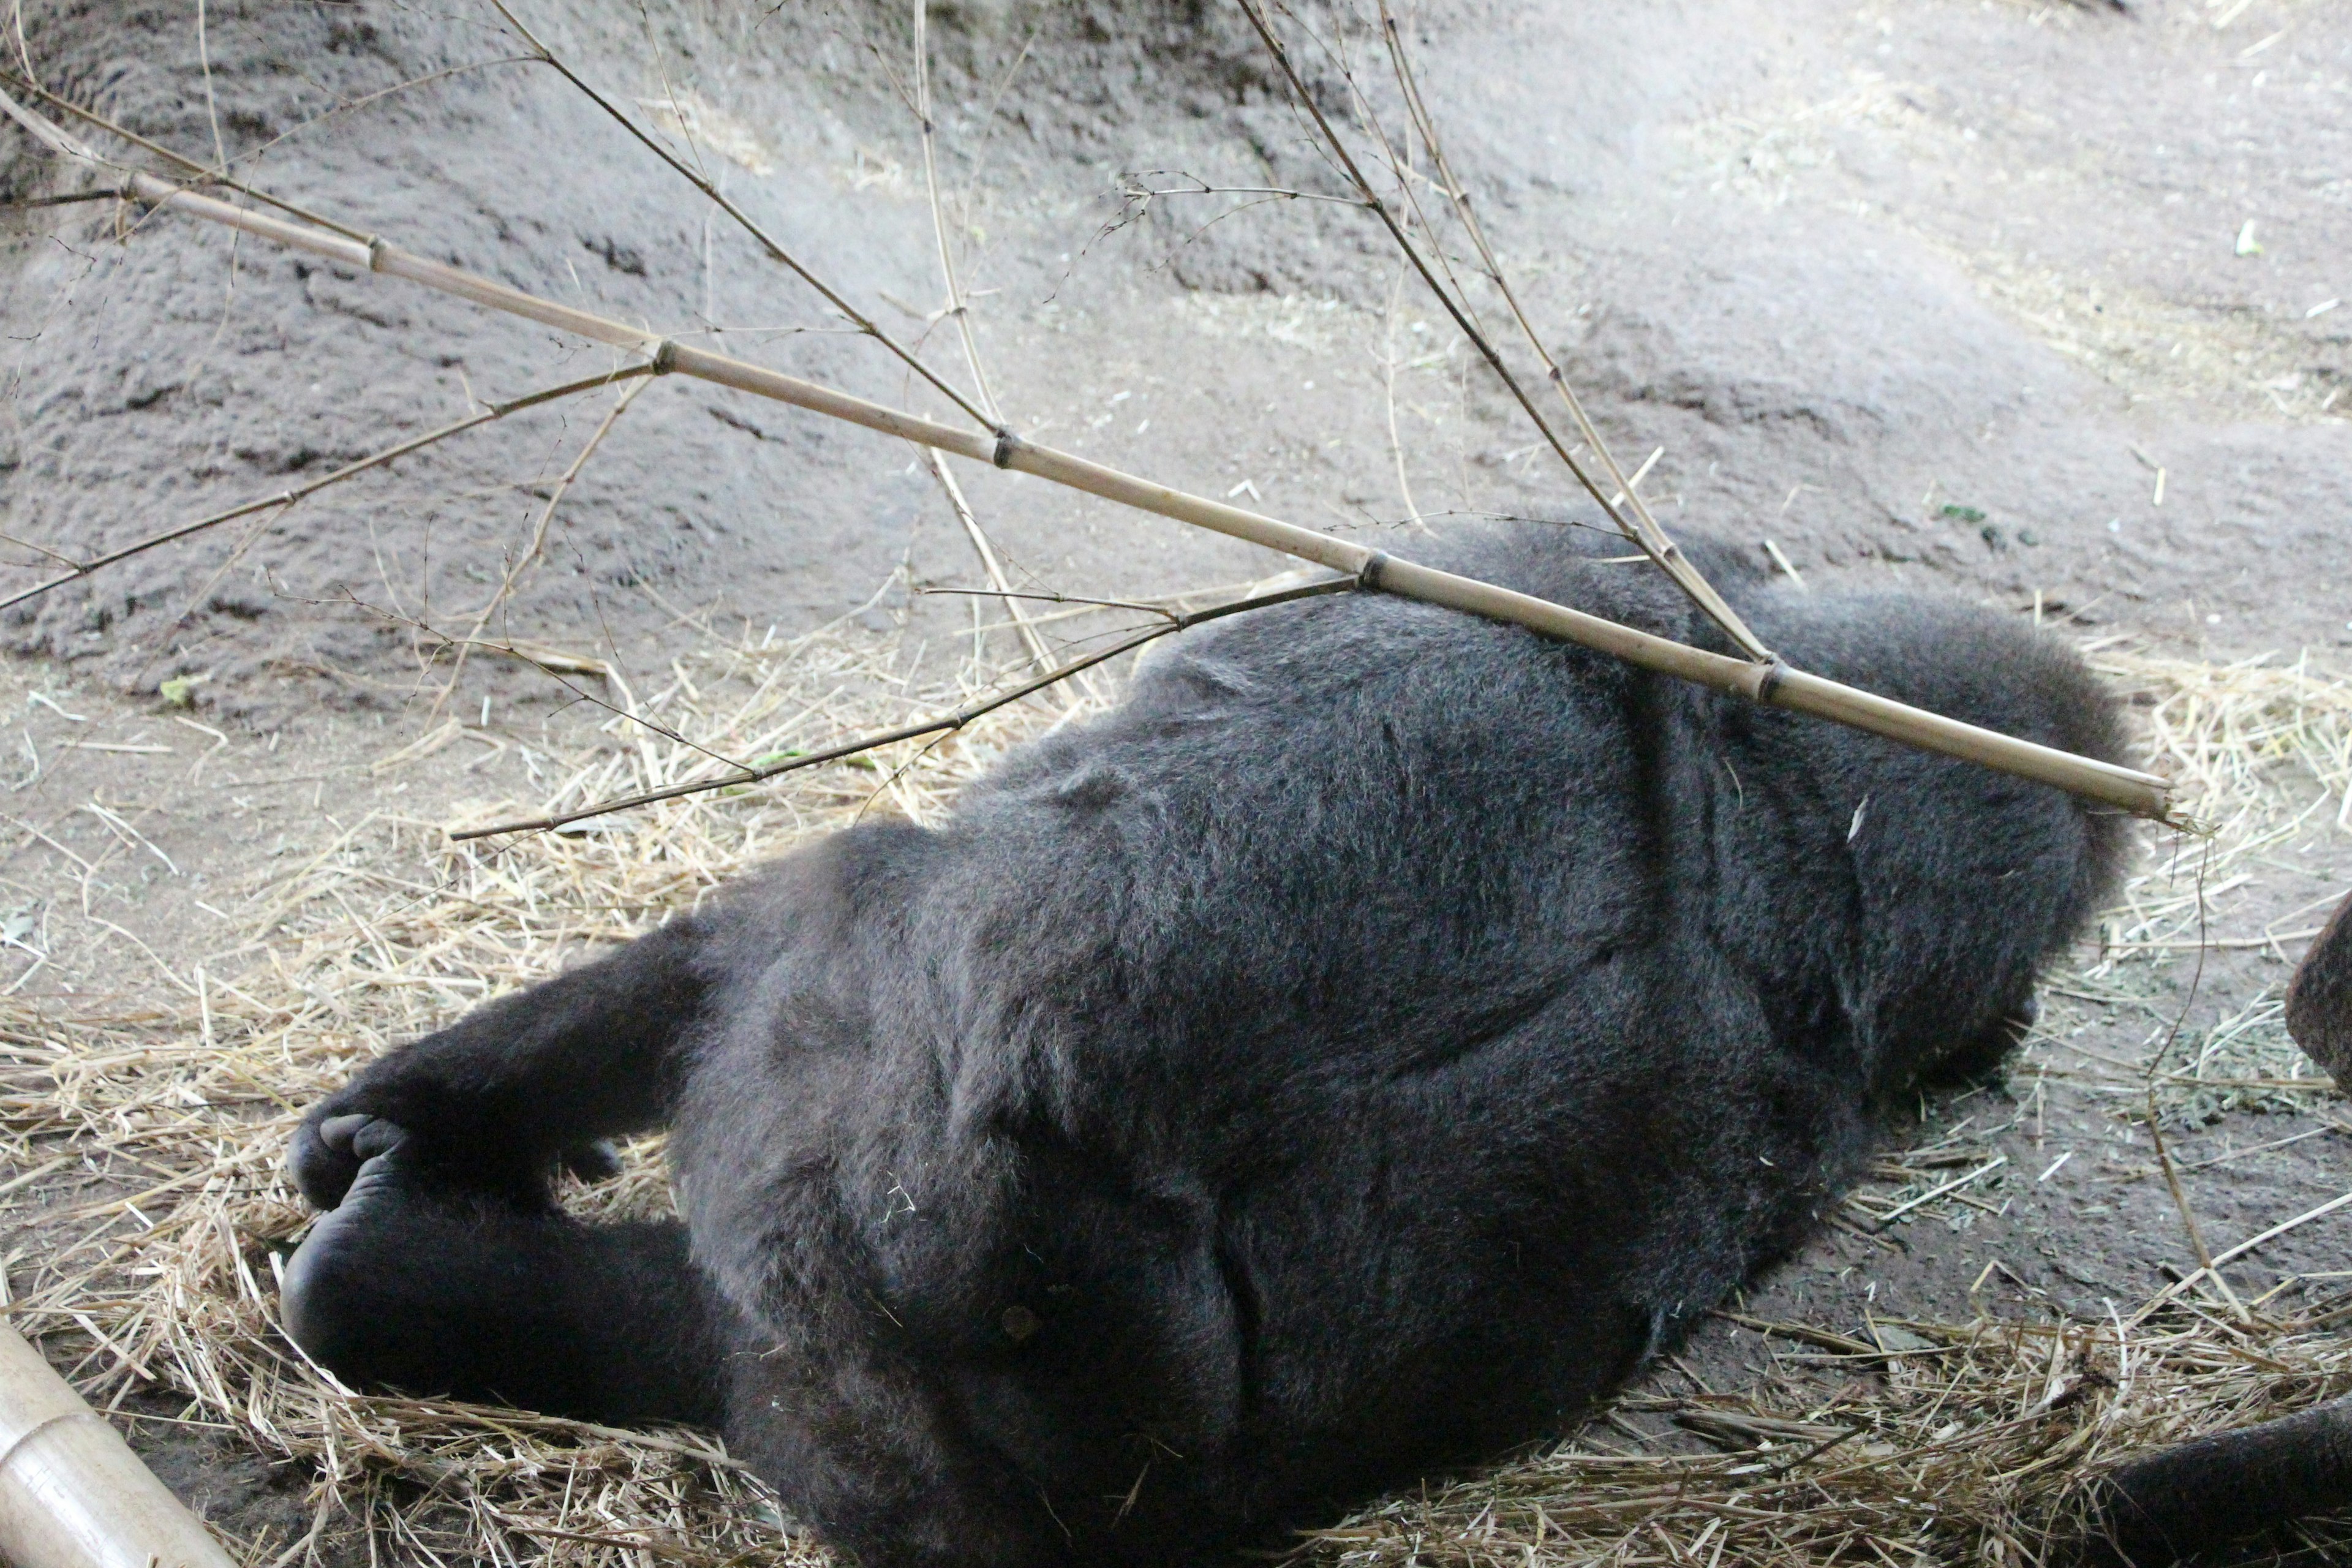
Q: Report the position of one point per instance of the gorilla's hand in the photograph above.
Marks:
(526, 1085)
(334, 1143)
(329, 1148)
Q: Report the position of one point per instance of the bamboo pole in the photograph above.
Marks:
(1775, 683)
(72, 1494)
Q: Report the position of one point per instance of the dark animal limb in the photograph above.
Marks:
(440, 1288)
(503, 1093)
(2193, 1501)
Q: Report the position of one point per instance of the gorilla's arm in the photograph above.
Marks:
(497, 1096)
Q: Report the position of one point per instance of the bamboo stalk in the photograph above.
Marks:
(2141, 793)
(72, 1494)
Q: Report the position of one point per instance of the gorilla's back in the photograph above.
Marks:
(1356, 1050)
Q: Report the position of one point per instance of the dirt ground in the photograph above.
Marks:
(2047, 305)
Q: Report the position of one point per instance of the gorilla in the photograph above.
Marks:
(1348, 1058)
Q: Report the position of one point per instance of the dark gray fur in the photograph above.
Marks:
(1347, 1059)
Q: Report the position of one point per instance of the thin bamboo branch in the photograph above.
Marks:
(201, 173)
(960, 308)
(957, 305)
(766, 242)
(1388, 385)
(1668, 560)
(32, 203)
(1133, 191)
(349, 104)
(998, 582)
(490, 415)
(531, 553)
(944, 723)
(2142, 794)
(1643, 528)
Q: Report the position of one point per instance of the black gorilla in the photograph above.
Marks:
(1351, 1056)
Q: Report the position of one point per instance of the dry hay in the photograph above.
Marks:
(387, 932)
(1954, 1441)
(1968, 1447)
(2262, 749)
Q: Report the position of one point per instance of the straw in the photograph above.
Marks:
(1977, 1447)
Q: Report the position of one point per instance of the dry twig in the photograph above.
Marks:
(531, 551)
(960, 308)
(944, 723)
(742, 220)
(489, 414)
(1640, 526)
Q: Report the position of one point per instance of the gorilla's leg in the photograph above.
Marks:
(496, 1097)
(436, 1288)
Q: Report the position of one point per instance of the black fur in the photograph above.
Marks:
(1349, 1057)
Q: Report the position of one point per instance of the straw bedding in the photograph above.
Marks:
(1934, 1442)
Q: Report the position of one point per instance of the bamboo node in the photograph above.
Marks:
(376, 249)
(1368, 575)
(1007, 443)
(1768, 680)
(665, 358)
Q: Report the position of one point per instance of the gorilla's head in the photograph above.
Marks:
(1872, 846)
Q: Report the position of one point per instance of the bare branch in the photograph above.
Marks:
(944, 723)
(31, 203)
(957, 306)
(766, 242)
(494, 412)
(1000, 585)
(347, 105)
(961, 308)
(1644, 530)
(522, 562)
(1388, 385)
(1457, 306)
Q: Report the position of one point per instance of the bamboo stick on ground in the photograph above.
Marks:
(2141, 793)
(72, 1494)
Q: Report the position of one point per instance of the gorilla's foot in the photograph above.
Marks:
(368, 1288)
(422, 1283)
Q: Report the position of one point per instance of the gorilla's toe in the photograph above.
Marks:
(329, 1150)
(423, 1281)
